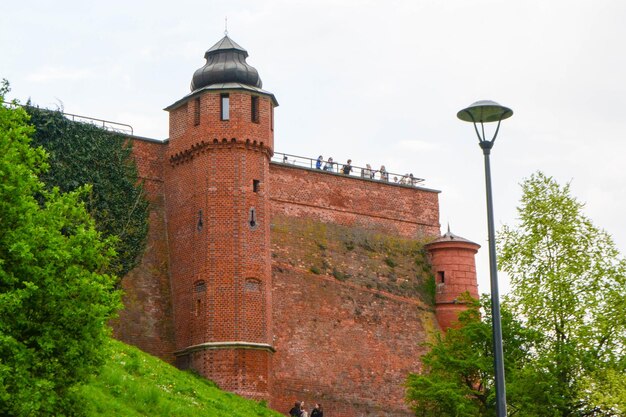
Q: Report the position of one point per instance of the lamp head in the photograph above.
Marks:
(484, 111)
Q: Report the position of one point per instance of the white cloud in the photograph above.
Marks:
(416, 145)
(49, 74)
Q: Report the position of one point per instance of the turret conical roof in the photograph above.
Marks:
(225, 63)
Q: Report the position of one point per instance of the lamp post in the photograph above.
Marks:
(481, 112)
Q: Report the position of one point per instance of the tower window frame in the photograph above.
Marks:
(254, 109)
(224, 106)
(196, 111)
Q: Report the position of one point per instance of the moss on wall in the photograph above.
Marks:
(363, 257)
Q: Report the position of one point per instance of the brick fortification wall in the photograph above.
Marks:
(279, 282)
(350, 314)
(146, 320)
(345, 346)
(403, 210)
(350, 311)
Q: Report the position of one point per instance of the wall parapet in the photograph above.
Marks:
(408, 211)
(365, 173)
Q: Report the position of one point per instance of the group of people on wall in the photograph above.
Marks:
(367, 172)
(298, 410)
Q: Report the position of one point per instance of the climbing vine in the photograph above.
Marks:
(82, 153)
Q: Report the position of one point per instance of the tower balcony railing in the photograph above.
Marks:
(330, 166)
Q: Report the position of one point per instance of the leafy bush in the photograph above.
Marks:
(55, 297)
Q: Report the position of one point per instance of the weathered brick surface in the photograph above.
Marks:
(347, 200)
(146, 320)
(341, 339)
(348, 348)
(348, 324)
(187, 137)
(251, 367)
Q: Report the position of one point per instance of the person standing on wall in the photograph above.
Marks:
(328, 166)
(318, 163)
(384, 175)
(347, 168)
(367, 172)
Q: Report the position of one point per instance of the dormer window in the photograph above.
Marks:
(225, 107)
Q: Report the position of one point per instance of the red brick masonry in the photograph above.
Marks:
(209, 293)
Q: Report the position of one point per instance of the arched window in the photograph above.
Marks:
(252, 284)
(199, 286)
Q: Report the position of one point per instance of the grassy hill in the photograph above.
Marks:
(133, 383)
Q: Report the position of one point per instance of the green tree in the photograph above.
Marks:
(568, 282)
(564, 322)
(606, 389)
(458, 376)
(55, 299)
(82, 153)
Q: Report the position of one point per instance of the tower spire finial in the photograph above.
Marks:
(226, 26)
(448, 227)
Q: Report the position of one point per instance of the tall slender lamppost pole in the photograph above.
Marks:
(481, 112)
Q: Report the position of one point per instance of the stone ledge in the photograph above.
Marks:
(225, 345)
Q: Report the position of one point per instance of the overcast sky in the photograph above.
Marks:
(379, 82)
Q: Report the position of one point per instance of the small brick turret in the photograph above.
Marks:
(217, 199)
(454, 266)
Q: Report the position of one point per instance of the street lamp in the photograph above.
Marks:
(481, 112)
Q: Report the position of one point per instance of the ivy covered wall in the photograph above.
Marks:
(82, 153)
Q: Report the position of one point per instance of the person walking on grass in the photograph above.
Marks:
(317, 411)
(296, 410)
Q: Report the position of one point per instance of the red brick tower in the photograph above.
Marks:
(454, 266)
(220, 145)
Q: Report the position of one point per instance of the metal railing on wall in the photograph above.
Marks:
(331, 166)
(105, 124)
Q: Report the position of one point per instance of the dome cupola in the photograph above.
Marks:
(225, 63)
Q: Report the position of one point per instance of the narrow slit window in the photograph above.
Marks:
(272, 117)
(196, 112)
(256, 186)
(225, 106)
(441, 277)
(252, 219)
(254, 109)
(200, 223)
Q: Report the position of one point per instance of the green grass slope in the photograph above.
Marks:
(133, 383)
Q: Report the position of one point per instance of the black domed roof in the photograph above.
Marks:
(225, 63)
